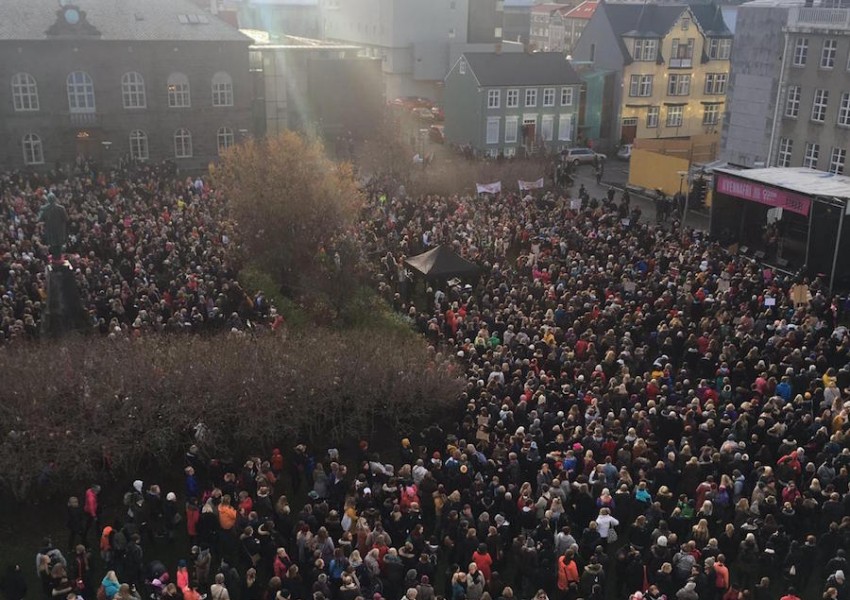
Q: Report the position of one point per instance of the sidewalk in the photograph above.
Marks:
(613, 177)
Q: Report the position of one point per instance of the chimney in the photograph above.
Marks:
(497, 47)
(214, 7)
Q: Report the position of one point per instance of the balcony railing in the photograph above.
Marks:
(681, 63)
(819, 18)
(84, 119)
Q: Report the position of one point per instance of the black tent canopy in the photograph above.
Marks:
(442, 263)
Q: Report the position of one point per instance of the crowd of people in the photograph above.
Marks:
(645, 417)
(152, 252)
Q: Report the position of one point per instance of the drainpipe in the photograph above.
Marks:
(843, 210)
(770, 161)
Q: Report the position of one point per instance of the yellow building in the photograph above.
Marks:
(671, 68)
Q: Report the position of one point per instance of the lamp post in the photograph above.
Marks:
(682, 176)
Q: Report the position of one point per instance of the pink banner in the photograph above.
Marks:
(756, 192)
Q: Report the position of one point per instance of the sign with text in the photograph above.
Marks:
(756, 192)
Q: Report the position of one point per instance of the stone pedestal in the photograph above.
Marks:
(64, 311)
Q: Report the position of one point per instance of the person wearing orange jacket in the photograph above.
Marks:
(568, 577)
(226, 514)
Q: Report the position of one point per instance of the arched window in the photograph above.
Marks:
(225, 139)
(222, 89)
(33, 153)
(138, 145)
(133, 90)
(24, 92)
(182, 143)
(178, 91)
(80, 92)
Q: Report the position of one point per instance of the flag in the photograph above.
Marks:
(489, 188)
(530, 185)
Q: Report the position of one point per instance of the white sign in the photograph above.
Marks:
(489, 188)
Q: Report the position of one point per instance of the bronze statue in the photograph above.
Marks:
(55, 219)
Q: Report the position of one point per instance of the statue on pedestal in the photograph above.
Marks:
(64, 311)
(55, 219)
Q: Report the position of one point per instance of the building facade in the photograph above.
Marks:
(672, 65)
(153, 81)
(812, 128)
(509, 103)
(574, 22)
(413, 39)
(547, 27)
(754, 81)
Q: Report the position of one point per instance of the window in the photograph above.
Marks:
(640, 86)
(182, 143)
(810, 159)
(715, 84)
(549, 97)
(547, 127)
(133, 90)
(222, 89)
(819, 105)
(786, 145)
(511, 130)
(24, 92)
(497, 33)
(827, 53)
(494, 98)
(844, 110)
(461, 66)
(836, 161)
(493, 130)
(686, 24)
(792, 102)
(138, 145)
(652, 117)
(178, 91)
(565, 128)
(710, 114)
(682, 54)
(512, 98)
(531, 97)
(801, 51)
(719, 49)
(592, 52)
(33, 154)
(679, 85)
(646, 50)
(80, 92)
(566, 96)
(224, 138)
(675, 115)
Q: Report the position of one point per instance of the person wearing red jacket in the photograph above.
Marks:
(91, 508)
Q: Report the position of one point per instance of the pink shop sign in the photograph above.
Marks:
(762, 194)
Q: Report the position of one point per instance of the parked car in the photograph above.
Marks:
(423, 114)
(436, 135)
(625, 152)
(582, 156)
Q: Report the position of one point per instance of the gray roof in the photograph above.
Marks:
(520, 68)
(117, 20)
(655, 20)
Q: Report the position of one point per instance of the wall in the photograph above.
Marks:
(598, 38)
(484, 17)
(463, 108)
(753, 84)
(698, 149)
(650, 170)
(801, 130)
(51, 61)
